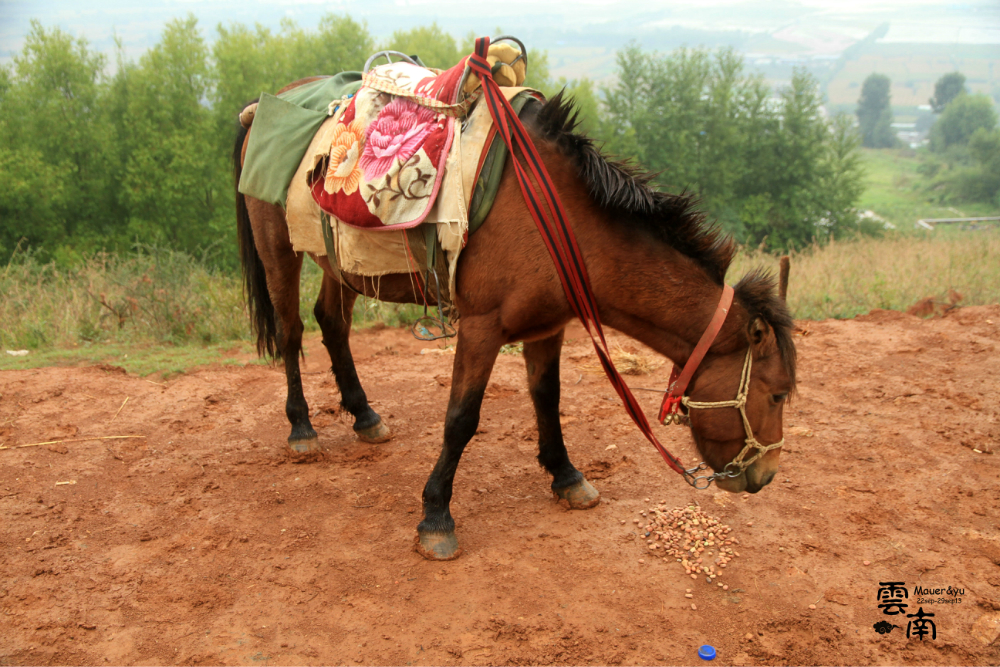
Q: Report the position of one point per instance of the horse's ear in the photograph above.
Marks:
(759, 330)
(783, 267)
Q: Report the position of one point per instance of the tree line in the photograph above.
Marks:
(95, 157)
(963, 142)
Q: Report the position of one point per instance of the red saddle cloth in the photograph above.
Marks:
(446, 86)
(389, 148)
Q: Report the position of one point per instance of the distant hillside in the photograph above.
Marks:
(914, 68)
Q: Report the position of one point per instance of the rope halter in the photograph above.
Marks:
(674, 398)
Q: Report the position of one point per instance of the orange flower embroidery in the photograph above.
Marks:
(344, 172)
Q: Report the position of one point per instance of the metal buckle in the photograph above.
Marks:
(689, 477)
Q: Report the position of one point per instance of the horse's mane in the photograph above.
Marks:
(757, 292)
(624, 188)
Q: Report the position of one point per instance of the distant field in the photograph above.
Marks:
(914, 71)
(897, 192)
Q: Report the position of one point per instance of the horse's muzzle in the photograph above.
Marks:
(755, 483)
(751, 480)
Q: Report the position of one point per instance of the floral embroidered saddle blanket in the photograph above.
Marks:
(389, 146)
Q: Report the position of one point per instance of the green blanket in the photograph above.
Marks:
(283, 127)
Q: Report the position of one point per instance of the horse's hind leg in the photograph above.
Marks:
(542, 359)
(283, 269)
(333, 312)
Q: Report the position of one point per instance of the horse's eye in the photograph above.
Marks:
(778, 398)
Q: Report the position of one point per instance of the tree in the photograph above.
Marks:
(984, 147)
(58, 145)
(960, 120)
(32, 201)
(435, 47)
(339, 44)
(247, 62)
(174, 177)
(947, 88)
(875, 113)
(770, 170)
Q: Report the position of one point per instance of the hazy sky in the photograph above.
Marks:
(815, 26)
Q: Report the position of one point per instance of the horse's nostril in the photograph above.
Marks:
(766, 479)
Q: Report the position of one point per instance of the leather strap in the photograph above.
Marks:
(331, 250)
(547, 211)
(679, 380)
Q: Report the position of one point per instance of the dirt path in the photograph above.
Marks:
(201, 543)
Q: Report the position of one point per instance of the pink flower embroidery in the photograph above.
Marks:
(396, 134)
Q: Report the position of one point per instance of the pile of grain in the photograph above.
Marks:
(702, 544)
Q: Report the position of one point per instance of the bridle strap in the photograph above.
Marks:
(738, 464)
(679, 380)
(670, 411)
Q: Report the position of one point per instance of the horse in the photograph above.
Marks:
(657, 269)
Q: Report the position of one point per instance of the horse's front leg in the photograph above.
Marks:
(542, 360)
(333, 312)
(476, 351)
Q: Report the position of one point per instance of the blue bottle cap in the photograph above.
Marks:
(706, 652)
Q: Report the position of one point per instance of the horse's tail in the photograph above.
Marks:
(262, 322)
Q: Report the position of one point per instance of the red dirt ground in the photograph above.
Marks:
(201, 543)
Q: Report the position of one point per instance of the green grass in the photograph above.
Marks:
(848, 278)
(142, 359)
(149, 297)
(899, 193)
(156, 312)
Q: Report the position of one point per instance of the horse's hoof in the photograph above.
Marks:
(375, 434)
(580, 496)
(306, 446)
(305, 451)
(437, 546)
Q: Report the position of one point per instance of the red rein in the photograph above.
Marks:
(679, 379)
(547, 211)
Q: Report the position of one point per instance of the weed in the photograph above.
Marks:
(848, 278)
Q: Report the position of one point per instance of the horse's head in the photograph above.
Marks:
(744, 439)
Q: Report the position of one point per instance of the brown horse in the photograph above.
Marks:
(657, 272)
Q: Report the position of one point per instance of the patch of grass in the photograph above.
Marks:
(142, 359)
(896, 190)
(368, 312)
(513, 349)
(847, 278)
(151, 296)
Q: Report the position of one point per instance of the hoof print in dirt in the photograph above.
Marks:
(579, 496)
(375, 434)
(437, 546)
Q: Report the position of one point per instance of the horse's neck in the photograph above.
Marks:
(662, 298)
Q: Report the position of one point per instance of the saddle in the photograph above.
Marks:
(392, 138)
(388, 171)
